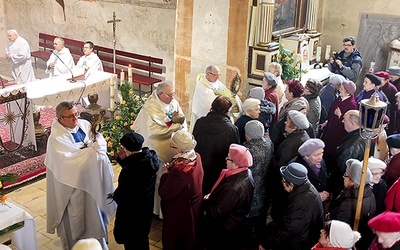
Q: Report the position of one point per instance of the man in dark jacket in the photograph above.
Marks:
(394, 76)
(348, 62)
(214, 133)
(353, 147)
(135, 192)
(303, 217)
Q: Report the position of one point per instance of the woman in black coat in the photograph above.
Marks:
(343, 208)
(135, 192)
(214, 133)
(310, 156)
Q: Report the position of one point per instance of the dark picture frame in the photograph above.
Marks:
(289, 16)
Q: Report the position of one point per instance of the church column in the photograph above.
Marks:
(183, 51)
(266, 22)
(311, 18)
(237, 40)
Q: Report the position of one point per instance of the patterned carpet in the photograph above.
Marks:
(28, 163)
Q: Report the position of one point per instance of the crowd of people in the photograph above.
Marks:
(283, 173)
(280, 176)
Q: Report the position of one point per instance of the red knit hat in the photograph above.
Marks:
(240, 155)
(382, 74)
(387, 222)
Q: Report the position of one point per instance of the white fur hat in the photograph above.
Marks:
(87, 244)
(341, 235)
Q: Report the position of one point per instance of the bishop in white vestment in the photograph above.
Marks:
(156, 125)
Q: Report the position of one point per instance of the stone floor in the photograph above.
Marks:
(32, 196)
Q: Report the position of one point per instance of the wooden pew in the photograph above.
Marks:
(46, 46)
(147, 70)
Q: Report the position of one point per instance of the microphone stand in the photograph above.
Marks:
(72, 74)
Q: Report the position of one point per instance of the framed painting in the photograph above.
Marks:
(289, 16)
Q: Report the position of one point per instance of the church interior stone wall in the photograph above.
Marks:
(145, 29)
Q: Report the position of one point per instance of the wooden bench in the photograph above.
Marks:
(147, 70)
(46, 46)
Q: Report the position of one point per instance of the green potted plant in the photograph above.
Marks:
(125, 114)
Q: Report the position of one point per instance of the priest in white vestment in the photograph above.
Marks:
(208, 87)
(160, 116)
(89, 61)
(19, 53)
(79, 178)
(61, 61)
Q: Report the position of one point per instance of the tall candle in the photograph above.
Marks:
(122, 77)
(328, 52)
(318, 55)
(112, 99)
(130, 73)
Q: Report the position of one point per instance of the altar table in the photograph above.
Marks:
(52, 91)
(24, 238)
(319, 74)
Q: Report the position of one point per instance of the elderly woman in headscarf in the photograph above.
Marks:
(262, 150)
(251, 109)
(181, 194)
(269, 84)
(377, 168)
(343, 208)
(312, 91)
(310, 156)
(278, 133)
(267, 109)
(303, 215)
(229, 202)
(337, 235)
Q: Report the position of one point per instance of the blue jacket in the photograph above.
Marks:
(351, 65)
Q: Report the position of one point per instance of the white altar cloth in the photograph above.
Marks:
(12, 89)
(24, 238)
(52, 91)
(319, 74)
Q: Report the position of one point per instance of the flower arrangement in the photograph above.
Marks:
(126, 112)
(287, 59)
(10, 177)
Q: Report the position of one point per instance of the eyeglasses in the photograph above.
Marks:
(214, 74)
(347, 45)
(71, 116)
(378, 173)
(170, 95)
